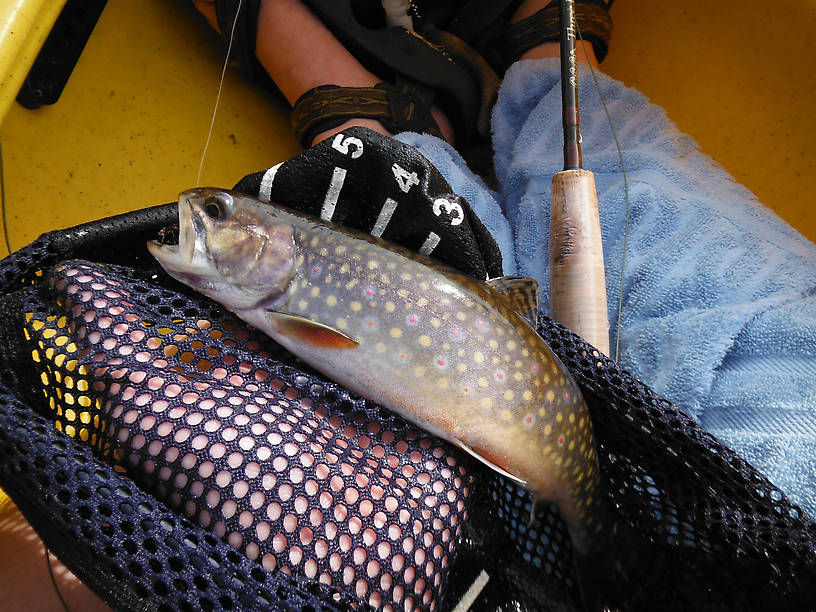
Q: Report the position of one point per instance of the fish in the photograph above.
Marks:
(456, 356)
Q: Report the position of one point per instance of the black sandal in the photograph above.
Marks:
(420, 68)
(404, 108)
(592, 17)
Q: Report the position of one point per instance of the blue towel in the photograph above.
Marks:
(719, 294)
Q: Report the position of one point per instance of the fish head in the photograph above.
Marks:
(231, 248)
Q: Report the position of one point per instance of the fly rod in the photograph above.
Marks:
(577, 278)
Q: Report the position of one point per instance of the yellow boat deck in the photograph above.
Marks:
(130, 126)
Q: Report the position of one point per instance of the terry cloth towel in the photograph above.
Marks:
(719, 294)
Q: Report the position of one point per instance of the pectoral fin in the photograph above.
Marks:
(310, 332)
(481, 456)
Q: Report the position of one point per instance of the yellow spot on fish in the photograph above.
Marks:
(356, 306)
(517, 376)
(527, 395)
(436, 323)
(395, 332)
(572, 417)
(341, 323)
(384, 279)
(508, 395)
(328, 279)
(373, 264)
(390, 307)
(461, 316)
(424, 285)
(525, 353)
(483, 382)
(446, 346)
(340, 249)
(542, 412)
(478, 357)
(422, 302)
(424, 340)
(506, 415)
(486, 402)
(511, 345)
(419, 371)
(402, 293)
(331, 301)
(442, 383)
(461, 368)
(381, 348)
(493, 344)
(344, 268)
(315, 291)
(550, 395)
(352, 283)
(559, 417)
(547, 430)
(405, 276)
(315, 241)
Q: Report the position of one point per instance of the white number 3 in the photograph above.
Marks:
(404, 179)
(451, 208)
(342, 143)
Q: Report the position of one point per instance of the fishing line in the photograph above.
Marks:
(618, 324)
(53, 579)
(3, 201)
(218, 96)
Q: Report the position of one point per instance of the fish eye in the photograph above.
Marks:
(217, 206)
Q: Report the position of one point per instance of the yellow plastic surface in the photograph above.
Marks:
(24, 26)
(130, 126)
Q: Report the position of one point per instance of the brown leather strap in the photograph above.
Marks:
(544, 26)
(399, 109)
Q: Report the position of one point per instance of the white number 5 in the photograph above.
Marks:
(342, 143)
(451, 208)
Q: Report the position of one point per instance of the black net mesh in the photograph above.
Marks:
(174, 459)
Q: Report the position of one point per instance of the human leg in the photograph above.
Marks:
(300, 54)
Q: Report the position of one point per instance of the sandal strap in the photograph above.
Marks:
(545, 26)
(406, 107)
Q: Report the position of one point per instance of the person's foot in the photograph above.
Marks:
(299, 54)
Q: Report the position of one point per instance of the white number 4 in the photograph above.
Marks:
(342, 143)
(403, 178)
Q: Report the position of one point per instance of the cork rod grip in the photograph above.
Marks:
(577, 278)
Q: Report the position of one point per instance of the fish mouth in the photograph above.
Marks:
(189, 256)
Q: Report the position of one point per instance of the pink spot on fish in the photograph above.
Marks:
(561, 440)
(441, 362)
(529, 420)
(412, 319)
(500, 374)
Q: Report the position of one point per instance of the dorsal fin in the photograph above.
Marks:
(522, 293)
(310, 332)
(493, 465)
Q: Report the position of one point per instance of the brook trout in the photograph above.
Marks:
(457, 357)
